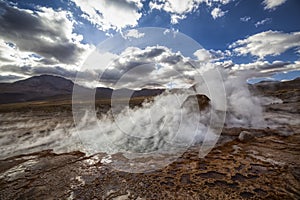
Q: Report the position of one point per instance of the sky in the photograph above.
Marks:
(259, 37)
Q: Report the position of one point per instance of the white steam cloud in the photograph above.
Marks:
(163, 125)
(166, 124)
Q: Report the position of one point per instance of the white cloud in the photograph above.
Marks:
(294, 66)
(176, 18)
(211, 3)
(98, 61)
(262, 22)
(266, 43)
(111, 14)
(260, 68)
(155, 5)
(217, 12)
(171, 31)
(245, 19)
(222, 1)
(133, 33)
(225, 64)
(203, 55)
(166, 31)
(272, 4)
(178, 9)
(211, 55)
(175, 6)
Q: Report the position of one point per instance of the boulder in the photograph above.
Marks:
(203, 101)
(246, 136)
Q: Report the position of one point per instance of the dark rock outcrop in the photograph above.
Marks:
(203, 101)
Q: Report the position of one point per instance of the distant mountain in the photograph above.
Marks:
(48, 87)
(277, 85)
(289, 91)
(35, 88)
(147, 92)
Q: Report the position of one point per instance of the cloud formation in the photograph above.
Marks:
(211, 55)
(262, 22)
(266, 43)
(38, 41)
(43, 40)
(217, 12)
(157, 64)
(272, 4)
(179, 9)
(111, 14)
(203, 55)
(45, 32)
(259, 68)
(10, 78)
(245, 19)
(133, 33)
(38, 70)
(262, 66)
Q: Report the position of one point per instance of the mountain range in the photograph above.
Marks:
(48, 87)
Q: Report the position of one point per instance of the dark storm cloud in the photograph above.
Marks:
(274, 65)
(55, 71)
(15, 69)
(151, 53)
(137, 66)
(9, 78)
(45, 32)
(155, 54)
(32, 71)
(134, 75)
(52, 70)
(172, 59)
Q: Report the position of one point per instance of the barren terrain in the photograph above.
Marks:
(263, 166)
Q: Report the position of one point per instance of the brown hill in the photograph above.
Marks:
(48, 87)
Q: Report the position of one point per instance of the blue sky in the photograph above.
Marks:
(240, 35)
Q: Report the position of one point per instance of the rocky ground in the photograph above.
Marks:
(264, 168)
(254, 164)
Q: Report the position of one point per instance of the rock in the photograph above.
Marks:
(246, 136)
(203, 101)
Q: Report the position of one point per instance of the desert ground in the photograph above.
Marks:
(260, 163)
